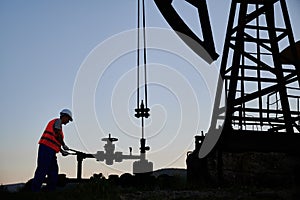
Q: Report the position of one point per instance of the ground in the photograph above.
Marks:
(159, 188)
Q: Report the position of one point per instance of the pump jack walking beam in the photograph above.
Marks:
(185, 33)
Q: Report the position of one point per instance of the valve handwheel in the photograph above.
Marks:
(109, 139)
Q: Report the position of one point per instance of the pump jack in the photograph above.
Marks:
(260, 80)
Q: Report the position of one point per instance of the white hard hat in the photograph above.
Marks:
(67, 112)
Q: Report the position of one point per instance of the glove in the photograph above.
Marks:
(65, 147)
(64, 153)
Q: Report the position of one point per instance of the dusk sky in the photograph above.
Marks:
(76, 54)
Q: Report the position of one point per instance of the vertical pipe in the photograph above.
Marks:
(79, 167)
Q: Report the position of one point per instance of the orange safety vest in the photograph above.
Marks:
(50, 138)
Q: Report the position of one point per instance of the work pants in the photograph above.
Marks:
(46, 166)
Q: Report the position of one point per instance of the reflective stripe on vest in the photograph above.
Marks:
(50, 138)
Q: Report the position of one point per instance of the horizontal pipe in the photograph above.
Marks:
(128, 157)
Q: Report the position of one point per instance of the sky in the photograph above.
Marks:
(80, 55)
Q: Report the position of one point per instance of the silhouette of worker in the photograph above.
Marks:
(50, 144)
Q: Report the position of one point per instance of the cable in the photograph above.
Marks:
(145, 54)
(138, 55)
(142, 111)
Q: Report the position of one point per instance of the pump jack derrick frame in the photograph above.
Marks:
(259, 78)
(264, 118)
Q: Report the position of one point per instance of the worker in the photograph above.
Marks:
(50, 143)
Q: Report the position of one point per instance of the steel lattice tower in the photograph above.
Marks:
(260, 74)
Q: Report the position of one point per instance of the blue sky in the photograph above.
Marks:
(44, 44)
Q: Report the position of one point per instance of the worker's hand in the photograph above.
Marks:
(65, 147)
(64, 153)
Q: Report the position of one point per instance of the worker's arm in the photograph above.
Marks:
(57, 128)
(59, 137)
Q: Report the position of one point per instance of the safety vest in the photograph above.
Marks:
(50, 138)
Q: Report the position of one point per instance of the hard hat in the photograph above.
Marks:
(67, 112)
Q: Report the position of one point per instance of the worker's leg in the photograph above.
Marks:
(52, 175)
(45, 156)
